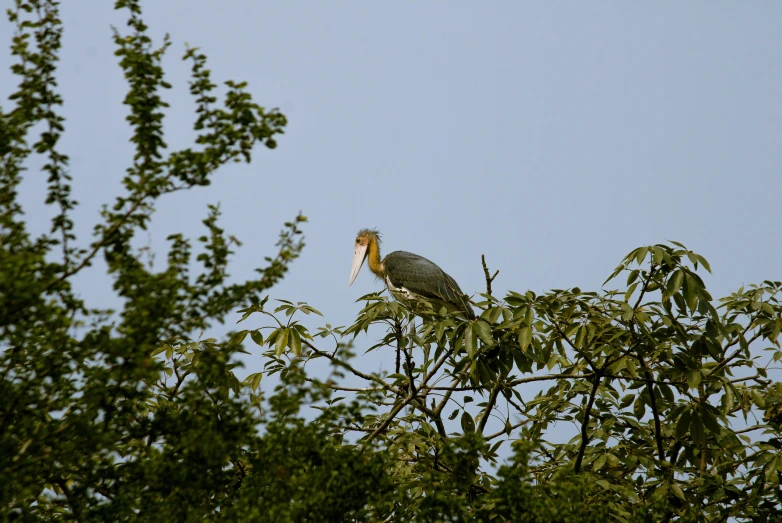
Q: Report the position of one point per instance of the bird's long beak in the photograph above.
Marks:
(358, 261)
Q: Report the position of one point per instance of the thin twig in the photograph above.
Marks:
(572, 345)
(505, 430)
(348, 367)
(546, 377)
(489, 279)
(391, 415)
(447, 395)
(489, 405)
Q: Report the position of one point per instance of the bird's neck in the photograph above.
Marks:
(373, 258)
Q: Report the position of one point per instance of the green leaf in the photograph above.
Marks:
(257, 337)
(743, 343)
(772, 467)
(483, 330)
(680, 303)
(691, 289)
(675, 282)
(599, 463)
(683, 425)
(530, 317)
(703, 262)
(641, 255)
(468, 425)
(525, 337)
(758, 398)
(453, 414)
(667, 392)
(659, 254)
(614, 274)
(728, 400)
(439, 329)
(660, 493)
(677, 490)
(514, 301)
(630, 291)
(696, 429)
(580, 337)
(710, 421)
(492, 314)
(639, 408)
(307, 309)
(294, 341)
(470, 340)
(694, 378)
(239, 336)
(254, 380)
(627, 311)
(281, 342)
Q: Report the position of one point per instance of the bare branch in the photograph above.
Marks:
(489, 405)
(489, 279)
(350, 368)
(505, 430)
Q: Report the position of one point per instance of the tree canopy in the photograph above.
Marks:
(664, 392)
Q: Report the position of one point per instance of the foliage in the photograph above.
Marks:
(83, 419)
(109, 415)
(663, 387)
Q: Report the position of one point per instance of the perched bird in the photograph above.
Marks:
(409, 277)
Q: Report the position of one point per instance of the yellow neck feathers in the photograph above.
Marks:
(373, 257)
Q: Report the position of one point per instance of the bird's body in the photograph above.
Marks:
(409, 277)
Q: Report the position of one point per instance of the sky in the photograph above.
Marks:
(552, 137)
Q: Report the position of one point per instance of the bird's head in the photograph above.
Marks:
(364, 239)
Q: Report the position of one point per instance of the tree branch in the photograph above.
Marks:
(489, 405)
(489, 279)
(449, 390)
(572, 345)
(503, 431)
(74, 504)
(585, 423)
(348, 367)
(647, 371)
(97, 246)
(391, 415)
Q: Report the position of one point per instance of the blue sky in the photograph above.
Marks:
(552, 137)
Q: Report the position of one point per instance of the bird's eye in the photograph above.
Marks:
(358, 240)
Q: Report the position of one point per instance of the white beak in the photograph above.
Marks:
(358, 260)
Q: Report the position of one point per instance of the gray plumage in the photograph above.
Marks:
(408, 274)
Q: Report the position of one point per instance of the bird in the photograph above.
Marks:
(410, 278)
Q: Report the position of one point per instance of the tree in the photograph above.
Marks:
(129, 415)
(663, 385)
(81, 412)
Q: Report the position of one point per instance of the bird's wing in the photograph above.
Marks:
(423, 277)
